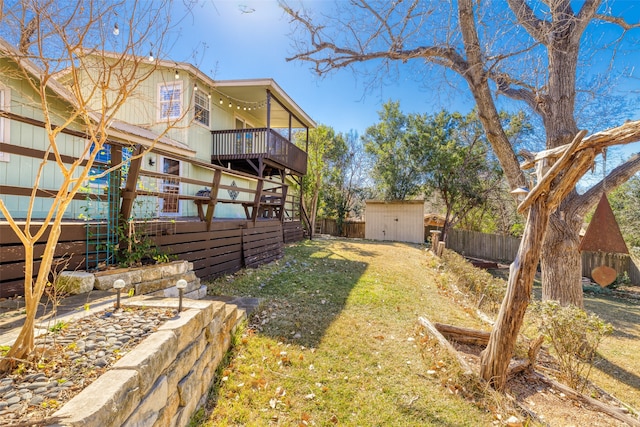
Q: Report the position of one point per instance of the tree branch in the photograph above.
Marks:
(336, 56)
(537, 28)
(617, 21)
(614, 179)
(584, 17)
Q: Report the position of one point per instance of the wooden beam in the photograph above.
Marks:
(545, 182)
(283, 201)
(626, 133)
(256, 201)
(213, 197)
(129, 193)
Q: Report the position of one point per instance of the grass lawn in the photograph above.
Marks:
(617, 369)
(337, 342)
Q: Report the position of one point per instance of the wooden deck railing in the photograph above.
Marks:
(259, 142)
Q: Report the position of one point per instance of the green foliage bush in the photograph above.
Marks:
(574, 336)
(135, 248)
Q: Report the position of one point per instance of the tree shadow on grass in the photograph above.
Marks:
(305, 293)
(622, 314)
(618, 372)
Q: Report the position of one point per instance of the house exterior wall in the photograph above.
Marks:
(142, 108)
(20, 170)
(401, 221)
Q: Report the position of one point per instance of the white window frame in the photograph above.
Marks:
(162, 187)
(202, 97)
(161, 102)
(5, 97)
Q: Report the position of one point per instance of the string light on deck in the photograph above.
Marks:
(116, 30)
(177, 76)
(151, 58)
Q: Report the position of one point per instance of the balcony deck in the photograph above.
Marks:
(259, 150)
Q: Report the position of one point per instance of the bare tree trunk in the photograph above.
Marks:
(561, 281)
(494, 362)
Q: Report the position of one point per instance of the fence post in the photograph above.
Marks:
(435, 238)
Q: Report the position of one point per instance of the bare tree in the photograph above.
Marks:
(528, 51)
(43, 40)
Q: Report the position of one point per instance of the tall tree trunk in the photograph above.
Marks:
(494, 362)
(561, 262)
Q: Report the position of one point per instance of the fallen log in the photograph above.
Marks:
(445, 344)
(613, 412)
(463, 335)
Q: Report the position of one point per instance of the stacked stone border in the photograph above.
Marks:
(164, 379)
(155, 280)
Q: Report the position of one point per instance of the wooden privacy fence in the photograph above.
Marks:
(503, 248)
(350, 229)
(494, 247)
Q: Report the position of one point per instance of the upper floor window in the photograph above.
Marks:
(4, 123)
(170, 100)
(201, 108)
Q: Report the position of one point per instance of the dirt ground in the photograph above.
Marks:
(546, 404)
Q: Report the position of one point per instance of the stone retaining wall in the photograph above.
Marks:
(166, 378)
(155, 280)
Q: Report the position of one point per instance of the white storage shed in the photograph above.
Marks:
(400, 220)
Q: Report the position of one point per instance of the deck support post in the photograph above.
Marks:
(129, 193)
(213, 197)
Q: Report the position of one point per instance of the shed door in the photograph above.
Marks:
(390, 227)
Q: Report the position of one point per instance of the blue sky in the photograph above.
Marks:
(250, 39)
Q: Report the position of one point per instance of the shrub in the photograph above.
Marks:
(574, 336)
(487, 290)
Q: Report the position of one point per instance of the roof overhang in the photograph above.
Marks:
(242, 93)
(253, 92)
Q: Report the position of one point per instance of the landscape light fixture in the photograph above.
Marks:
(181, 285)
(118, 285)
(116, 30)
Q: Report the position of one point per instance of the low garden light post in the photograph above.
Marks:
(181, 285)
(118, 285)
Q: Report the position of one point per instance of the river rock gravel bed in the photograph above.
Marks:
(70, 357)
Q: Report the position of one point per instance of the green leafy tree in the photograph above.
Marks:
(320, 148)
(394, 170)
(454, 160)
(345, 190)
(625, 203)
